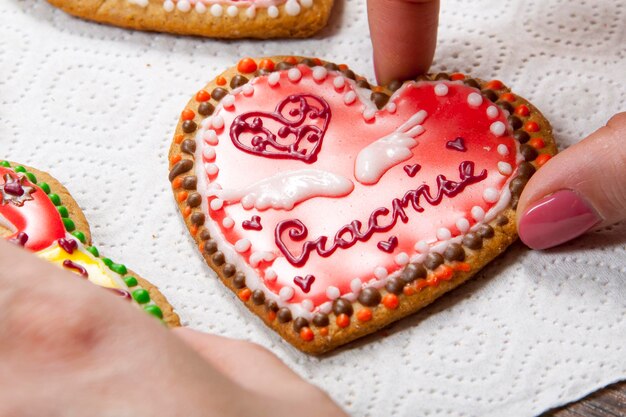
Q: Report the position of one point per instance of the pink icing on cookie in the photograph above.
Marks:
(369, 148)
(36, 218)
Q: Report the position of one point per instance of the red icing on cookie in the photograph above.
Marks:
(449, 183)
(38, 218)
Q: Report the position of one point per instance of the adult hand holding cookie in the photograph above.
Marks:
(70, 348)
(580, 189)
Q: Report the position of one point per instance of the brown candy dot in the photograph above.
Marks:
(258, 297)
(194, 200)
(517, 185)
(308, 62)
(342, 306)
(380, 99)
(501, 220)
(528, 152)
(471, 83)
(282, 66)
(239, 281)
(412, 272)
(363, 84)
(210, 246)
(526, 169)
(473, 241)
(485, 231)
(271, 305)
(218, 93)
(515, 122)
(433, 260)
(189, 126)
(205, 235)
(284, 315)
(218, 258)
(197, 219)
(321, 320)
(521, 136)
(190, 182)
(299, 323)
(229, 270)
(331, 67)
(514, 201)
(369, 297)
(180, 167)
(349, 74)
(454, 252)
(206, 108)
(442, 76)
(395, 285)
(490, 94)
(238, 81)
(394, 85)
(505, 105)
(188, 146)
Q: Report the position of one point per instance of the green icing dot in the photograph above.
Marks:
(56, 200)
(118, 268)
(107, 262)
(93, 250)
(130, 281)
(19, 168)
(63, 211)
(69, 224)
(141, 296)
(154, 310)
(31, 177)
(80, 236)
(5, 164)
(45, 187)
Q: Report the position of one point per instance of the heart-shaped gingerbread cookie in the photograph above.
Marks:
(333, 208)
(213, 18)
(38, 213)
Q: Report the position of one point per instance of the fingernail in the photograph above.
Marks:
(555, 219)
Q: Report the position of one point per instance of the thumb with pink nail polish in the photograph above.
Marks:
(580, 189)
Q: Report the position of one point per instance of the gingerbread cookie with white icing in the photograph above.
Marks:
(212, 18)
(332, 207)
(38, 213)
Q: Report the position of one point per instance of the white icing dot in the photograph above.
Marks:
(402, 258)
(339, 82)
(422, 246)
(251, 12)
(332, 292)
(356, 285)
(228, 101)
(503, 149)
(247, 90)
(369, 114)
(418, 259)
(232, 11)
(208, 153)
(211, 169)
(243, 245)
(169, 5)
(497, 128)
(216, 204)
(294, 74)
(286, 293)
(392, 107)
(216, 10)
(441, 89)
(474, 99)
(183, 5)
(272, 11)
(200, 7)
(270, 274)
(247, 202)
(210, 137)
(492, 112)
(505, 168)
(319, 73)
(380, 272)
(257, 257)
(306, 3)
(307, 305)
(273, 79)
(292, 8)
(217, 122)
(478, 213)
(443, 233)
(350, 97)
(462, 224)
(326, 307)
(491, 195)
(228, 222)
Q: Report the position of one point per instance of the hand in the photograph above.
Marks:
(70, 348)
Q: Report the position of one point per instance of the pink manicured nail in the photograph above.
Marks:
(555, 219)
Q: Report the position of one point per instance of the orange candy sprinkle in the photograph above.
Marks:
(271, 315)
(317, 61)
(531, 127)
(494, 85)
(187, 211)
(306, 334)
(179, 138)
(245, 294)
(342, 67)
(364, 315)
(522, 110)
(187, 114)
(246, 66)
(266, 64)
(457, 76)
(421, 284)
(291, 60)
(444, 272)
(202, 95)
(194, 230)
(182, 196)
(178, 181)
(175, 158)
(508, 97)
(462, 266)
(220, 80)
(537, 143)
(408, 290)
(343, 320)
(324, 331)
(391, 301)
(542, 159)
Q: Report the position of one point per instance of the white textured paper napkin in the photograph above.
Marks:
(96, 107)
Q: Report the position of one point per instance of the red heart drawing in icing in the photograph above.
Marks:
(366, 175)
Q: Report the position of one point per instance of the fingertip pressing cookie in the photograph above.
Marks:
(332, 207)
(38, 213)
(212, 18)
